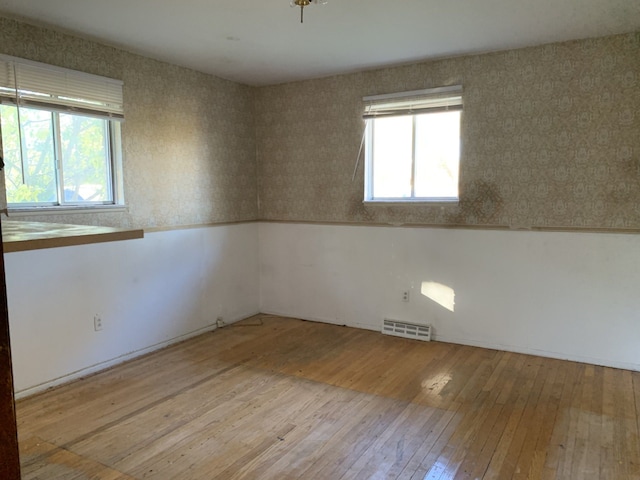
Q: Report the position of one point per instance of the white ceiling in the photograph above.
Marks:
(263, 42)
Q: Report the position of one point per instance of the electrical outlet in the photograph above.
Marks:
(219, 322)
(405, 296)
(97, 323)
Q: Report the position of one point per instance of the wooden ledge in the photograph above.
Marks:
(20, 236)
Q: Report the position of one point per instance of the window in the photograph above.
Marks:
(412, 146)
(60, 136)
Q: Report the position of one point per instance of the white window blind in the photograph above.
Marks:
(432, 100)
(38, 85)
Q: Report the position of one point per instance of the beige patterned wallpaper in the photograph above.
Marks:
(551, 139)
(188, 138)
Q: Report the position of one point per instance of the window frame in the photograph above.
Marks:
(381, 102)
(56, 90)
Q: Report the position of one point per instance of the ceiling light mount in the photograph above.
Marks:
(306, 3)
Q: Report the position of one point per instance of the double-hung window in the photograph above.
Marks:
(60, 136)
(412, 146)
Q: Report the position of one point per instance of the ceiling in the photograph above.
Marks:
(263, 42)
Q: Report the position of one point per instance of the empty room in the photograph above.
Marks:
(320, 239)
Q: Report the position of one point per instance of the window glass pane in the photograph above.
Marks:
(39, 182)
(85, 159)
(392, 151)
(437, 154)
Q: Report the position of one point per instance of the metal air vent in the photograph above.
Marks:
(407, 330)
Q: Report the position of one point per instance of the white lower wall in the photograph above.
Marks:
(565, 295)
(149, 293)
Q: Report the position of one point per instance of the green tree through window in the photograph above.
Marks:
(64, 159)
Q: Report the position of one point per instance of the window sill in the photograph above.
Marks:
(22, 236)
(421, 201)
(59, 210)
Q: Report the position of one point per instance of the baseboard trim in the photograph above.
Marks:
(98, 367)
(540, 353)
(321, 320)
(475, 343)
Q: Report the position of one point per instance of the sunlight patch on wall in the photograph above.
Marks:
(441, 294)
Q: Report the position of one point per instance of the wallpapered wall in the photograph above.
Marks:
(551, 138)
(188, 138)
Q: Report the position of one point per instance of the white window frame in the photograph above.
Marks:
(405, 103)
(25, 83)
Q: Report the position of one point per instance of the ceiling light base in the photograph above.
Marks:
(302, 4)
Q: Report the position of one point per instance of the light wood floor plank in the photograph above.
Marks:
(277, 398)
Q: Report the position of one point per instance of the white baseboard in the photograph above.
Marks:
(98, 367)
(481, 344)
(442, 338)
(307, 318)
(539, 353)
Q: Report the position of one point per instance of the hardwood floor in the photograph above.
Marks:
(275, 398)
